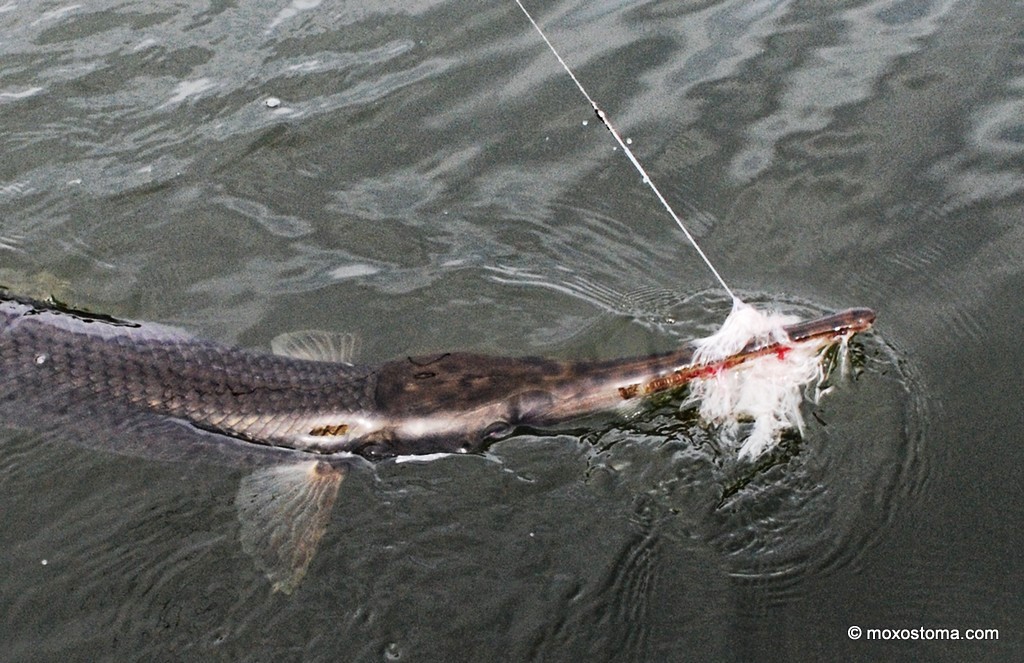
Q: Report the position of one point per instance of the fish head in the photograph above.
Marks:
(828, 329)
(807, 337)
(460, 403)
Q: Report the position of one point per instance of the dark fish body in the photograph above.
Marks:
(93, 376)
(150, 390)
(57, 362)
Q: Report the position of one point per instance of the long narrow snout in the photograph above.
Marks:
(832, 327)
(457, 401)
(589, 387)
(819, 332)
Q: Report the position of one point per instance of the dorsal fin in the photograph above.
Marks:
(316, 345)
(283, 511)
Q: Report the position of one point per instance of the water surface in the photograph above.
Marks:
(425, 175)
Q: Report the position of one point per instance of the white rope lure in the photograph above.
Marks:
(768, 391)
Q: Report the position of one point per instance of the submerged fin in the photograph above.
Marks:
(283, 511)
(316, 345)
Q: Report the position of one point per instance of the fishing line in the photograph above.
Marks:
(770, 391)
(632, 158)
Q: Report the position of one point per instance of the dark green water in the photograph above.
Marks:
(430, 179)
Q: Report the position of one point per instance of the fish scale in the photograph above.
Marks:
(74, 369)
(143, 389)
(103, 363)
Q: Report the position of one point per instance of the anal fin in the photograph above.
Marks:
(283, 511)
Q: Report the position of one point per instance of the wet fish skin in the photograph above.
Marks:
(154, 391)
(56, 360)
(70, 367)
(78, 373)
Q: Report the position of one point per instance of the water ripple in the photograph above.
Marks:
(812, 507)
(874, 36)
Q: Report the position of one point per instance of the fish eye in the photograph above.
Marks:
(497, 429)
(373, 451)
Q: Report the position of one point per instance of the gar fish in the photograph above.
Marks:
(299, 417)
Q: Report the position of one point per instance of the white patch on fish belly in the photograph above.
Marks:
(424, 458)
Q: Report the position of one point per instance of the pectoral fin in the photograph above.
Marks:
(283, 511)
